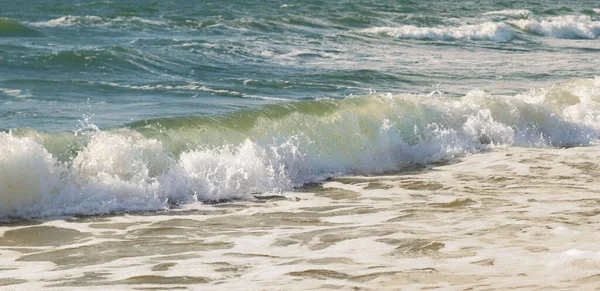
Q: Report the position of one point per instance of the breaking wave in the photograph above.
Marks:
(574, 27)
(565, 27)
(155, 164)
(490, 31)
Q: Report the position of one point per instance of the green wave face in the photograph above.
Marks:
(13, 28)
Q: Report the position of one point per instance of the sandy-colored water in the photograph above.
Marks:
(508, 219)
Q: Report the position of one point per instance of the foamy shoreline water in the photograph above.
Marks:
(502, 219)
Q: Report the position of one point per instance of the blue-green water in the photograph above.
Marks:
(137, 105)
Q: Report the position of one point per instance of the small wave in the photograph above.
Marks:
(92, 20)
(13, 28)
(510, 12)
(490, 31)
(568, 27)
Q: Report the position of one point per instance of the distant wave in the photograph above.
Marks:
(70, 20)
(491, 31)
(154, 164)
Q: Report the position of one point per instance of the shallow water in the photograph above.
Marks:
(504, 219)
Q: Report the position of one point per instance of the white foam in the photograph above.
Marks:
(230, 172)
(569, 27)
(490, 31)
(510, 12)
(576, 258)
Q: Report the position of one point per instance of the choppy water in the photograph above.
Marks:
(111, 107)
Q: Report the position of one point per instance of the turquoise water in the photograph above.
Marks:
(139, 105)
(125, 61)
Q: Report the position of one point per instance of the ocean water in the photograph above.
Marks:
(299, 144)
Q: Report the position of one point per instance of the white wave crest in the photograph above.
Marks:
(490, 31)
(569, 27)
